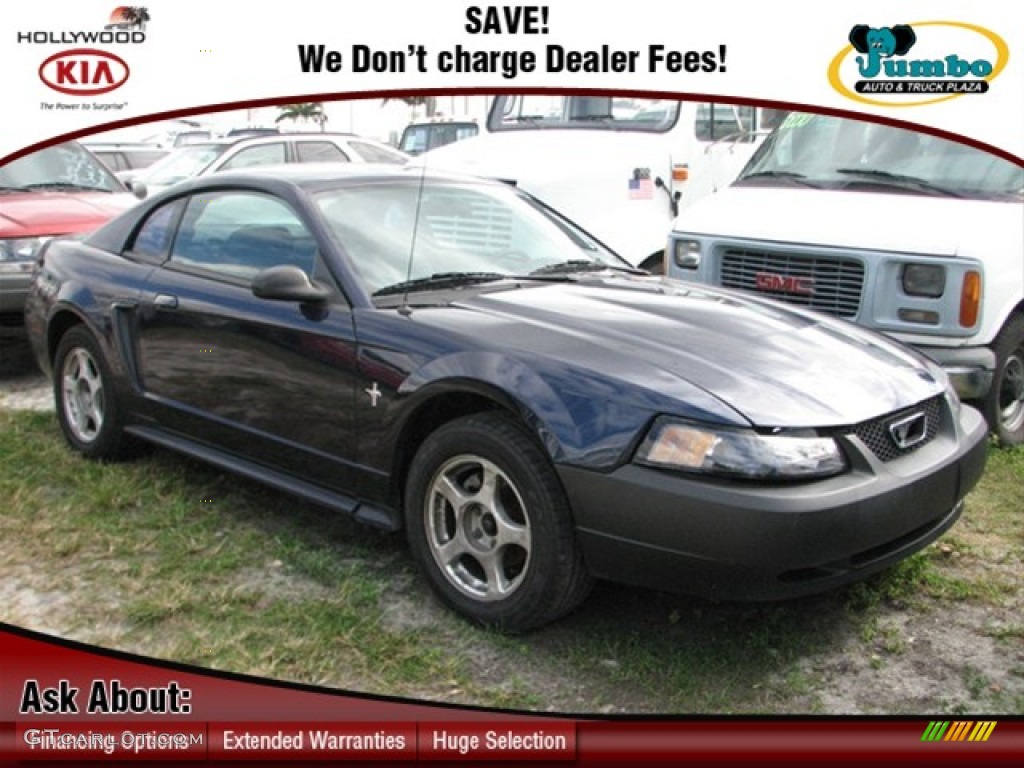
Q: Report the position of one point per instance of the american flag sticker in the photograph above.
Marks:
(640, 186)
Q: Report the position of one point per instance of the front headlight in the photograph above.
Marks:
(927, 280)
(674, 444)
(17, 255)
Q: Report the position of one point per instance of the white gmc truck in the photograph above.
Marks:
(620, 167)
(904, 233)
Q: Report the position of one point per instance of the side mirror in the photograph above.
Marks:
(138, 189)
(286, 282)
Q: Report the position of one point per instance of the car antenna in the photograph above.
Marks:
(405, 309)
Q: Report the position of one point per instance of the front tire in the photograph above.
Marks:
(1004, 406)
(489, 525)
(87, 406)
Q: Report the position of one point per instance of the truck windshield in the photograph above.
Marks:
(418, 138)
(835, 153)
(613, 113)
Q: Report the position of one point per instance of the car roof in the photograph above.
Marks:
(270, 138)
(326, 175)
(127, 145)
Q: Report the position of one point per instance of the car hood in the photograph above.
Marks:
(772, 364)
(869, 220)
(59, 213)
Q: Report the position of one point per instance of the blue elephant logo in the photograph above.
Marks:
(880, 43)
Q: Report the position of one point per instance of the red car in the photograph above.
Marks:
(60, 190)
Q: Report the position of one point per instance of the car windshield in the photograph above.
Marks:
(64, 167)
(463, 230)
(184, 163)
(835, 153)
(613, 113)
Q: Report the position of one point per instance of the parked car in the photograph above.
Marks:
(448, 356)
(58, 190)
(912, 235)
(227, 155)
(122, 156)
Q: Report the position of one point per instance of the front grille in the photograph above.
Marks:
(835, 284)
(876, 436)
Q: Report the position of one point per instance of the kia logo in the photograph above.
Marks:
(909, 431)
(84, 72)
(768, 281)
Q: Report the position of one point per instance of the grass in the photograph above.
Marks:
(166, 557)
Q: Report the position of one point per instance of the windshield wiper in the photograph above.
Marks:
(582, 265)
(440, 280)
(899, 181)
(5, 188)
(64, 185)
(792, 176)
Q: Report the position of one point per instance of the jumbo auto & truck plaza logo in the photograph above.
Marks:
(88, 71)
(919, 63)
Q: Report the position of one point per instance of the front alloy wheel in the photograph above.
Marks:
(478, 529)
(489, 524)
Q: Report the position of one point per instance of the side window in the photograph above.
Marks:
(153, 239)
(319, 152)
(722, 121)
(264, 154)
(372, 154)
(239, 233)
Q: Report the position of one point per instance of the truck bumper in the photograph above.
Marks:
(970, 369)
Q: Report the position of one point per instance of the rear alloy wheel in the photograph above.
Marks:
(489, 524)
(87, 407)
(1004, 406)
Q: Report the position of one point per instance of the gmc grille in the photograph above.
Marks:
(836, 288)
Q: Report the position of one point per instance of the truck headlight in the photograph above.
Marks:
(17, 255)
(675, 444)
(927, 280)
(686, 253)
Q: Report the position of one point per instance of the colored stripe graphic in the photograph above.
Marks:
(982, 730)
(959, 730)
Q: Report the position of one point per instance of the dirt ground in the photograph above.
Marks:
(956, 658)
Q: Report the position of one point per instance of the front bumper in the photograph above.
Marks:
(14, 287)
(730, 540)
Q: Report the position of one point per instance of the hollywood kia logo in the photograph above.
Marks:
(84, 72)
(925, 62)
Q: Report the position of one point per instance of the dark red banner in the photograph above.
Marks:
(65, 702)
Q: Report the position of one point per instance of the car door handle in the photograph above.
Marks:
(166, 301)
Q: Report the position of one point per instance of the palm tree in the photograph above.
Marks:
(140, 16)
(312, 110)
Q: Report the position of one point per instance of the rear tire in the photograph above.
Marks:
(489, 525)
(88, 410)
(1004, 406)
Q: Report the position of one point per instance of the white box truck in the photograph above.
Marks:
(620, 167)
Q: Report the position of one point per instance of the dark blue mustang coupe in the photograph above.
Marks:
(447, 356)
